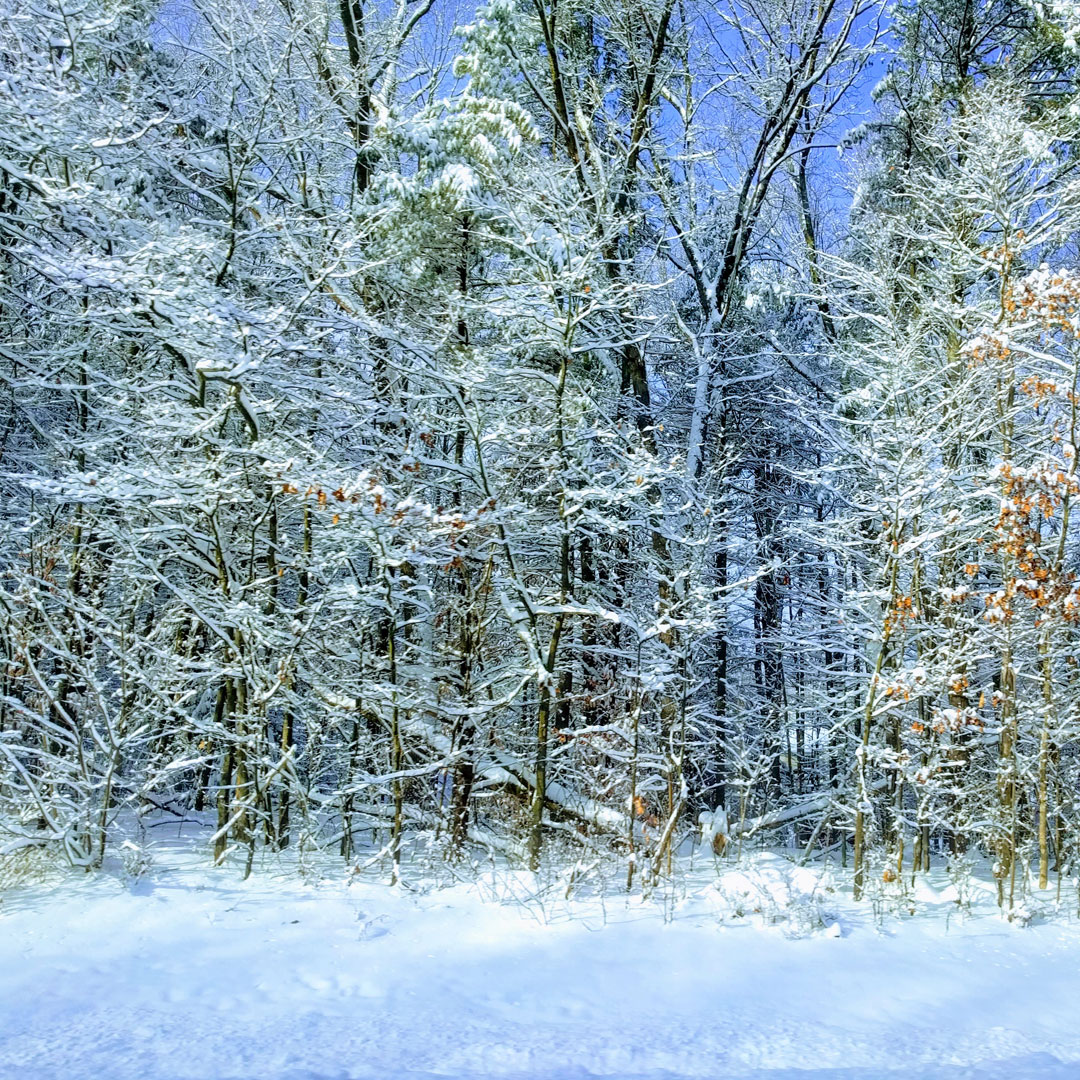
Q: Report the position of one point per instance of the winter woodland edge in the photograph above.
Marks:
(538, 445)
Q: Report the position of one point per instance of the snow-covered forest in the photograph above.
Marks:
(550, 432)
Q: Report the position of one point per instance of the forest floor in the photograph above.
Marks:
(764, 973)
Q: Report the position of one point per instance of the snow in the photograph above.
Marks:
(188, 972)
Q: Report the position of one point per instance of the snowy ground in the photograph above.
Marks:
(189, 973)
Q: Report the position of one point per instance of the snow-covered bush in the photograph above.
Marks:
(769, 890)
